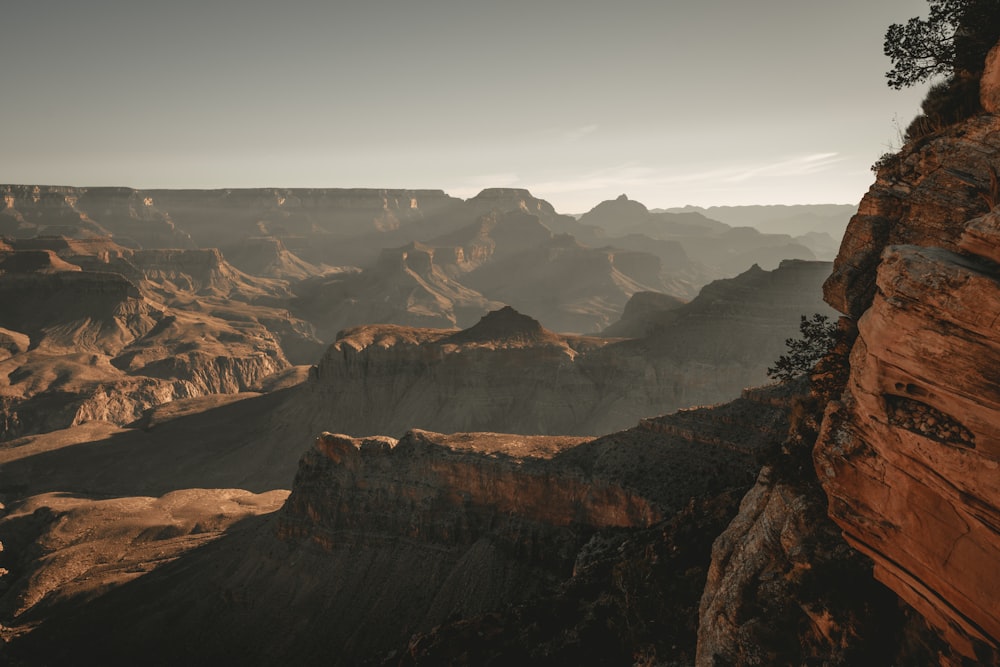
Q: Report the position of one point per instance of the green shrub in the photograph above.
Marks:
(818, 338)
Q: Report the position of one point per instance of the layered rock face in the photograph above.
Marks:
(383, 538)
(267, 256)
(459, 488)
(493, 381)
(909, 454)
(100, 345)
(213, 218)
(129, 215)
(547, 383)
(924, 196)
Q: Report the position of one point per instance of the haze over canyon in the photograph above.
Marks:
(349, 426)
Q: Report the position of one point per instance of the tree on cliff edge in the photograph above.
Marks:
(819, 335)
(952, 41)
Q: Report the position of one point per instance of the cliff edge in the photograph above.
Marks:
(909, 453)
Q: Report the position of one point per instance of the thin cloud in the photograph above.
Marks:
(633, 175)
(576, 134)
(807, 164)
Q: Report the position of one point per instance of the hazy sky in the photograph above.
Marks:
(673, 102)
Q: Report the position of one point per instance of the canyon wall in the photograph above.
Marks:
(383, 538)
(909, 453)
(487, 378)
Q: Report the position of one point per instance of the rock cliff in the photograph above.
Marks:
(311, 221)
(904, 455)
(908, 455)
(784, 589)
(130, 216)
(383, 538)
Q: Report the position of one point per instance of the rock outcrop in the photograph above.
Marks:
(784, 589)
(924, 196)
(909, 454)
(459, 488)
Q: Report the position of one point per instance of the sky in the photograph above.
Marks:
(672, 102)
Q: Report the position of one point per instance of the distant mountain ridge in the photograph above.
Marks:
(792, 219)
(344, 257)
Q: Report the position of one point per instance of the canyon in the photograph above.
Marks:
(379, 441)
(160, 384)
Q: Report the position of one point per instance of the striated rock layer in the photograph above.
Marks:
(924, 196)
(381, 539)
(909, 455)
(459, 488)
(82, 344)
(508, 374)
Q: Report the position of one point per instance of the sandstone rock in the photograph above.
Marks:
(909, 455)
(459, 488)
(784, 589)
(922, 197)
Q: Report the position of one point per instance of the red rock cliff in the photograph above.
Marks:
(909, 456)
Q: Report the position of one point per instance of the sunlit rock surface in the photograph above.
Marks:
(909, 456)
